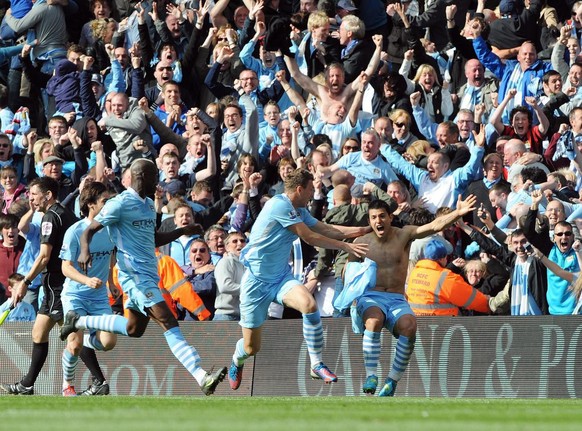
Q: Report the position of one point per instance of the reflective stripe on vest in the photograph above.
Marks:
(434, 306)
(199, 310)
(439, 286)
(177, 284)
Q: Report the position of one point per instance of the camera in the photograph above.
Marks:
(528, 248)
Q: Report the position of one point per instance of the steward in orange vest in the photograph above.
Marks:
(436, 291)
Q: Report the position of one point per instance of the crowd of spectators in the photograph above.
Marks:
(410, 100)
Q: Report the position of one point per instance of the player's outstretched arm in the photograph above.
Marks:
(315, 239)
(340, 232)
(463, 207)
(163, 238)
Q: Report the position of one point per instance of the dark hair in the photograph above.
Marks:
(501, 187)
(90, 195)
(299, 177)
(546, 76)
(46, 184)
(378, 204)
(162, 46)
(397, 83)
(522, 109)
(321, 138)
(563, 223)
(536, 175)
(235, 106)
(8, 221)
(420, 217)
(327, 7)
(299, 20)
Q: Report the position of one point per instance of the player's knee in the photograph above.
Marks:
(39, 335)
(108, 343)
(135, 331)
(407, 327)
(307, 304)
(74, 347)
(252, 349)
(374, 324)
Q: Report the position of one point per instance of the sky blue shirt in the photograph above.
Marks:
(101, 248)
(23, 312)
(378, 171)
(31, 250)
(269, 249)
(132, 225)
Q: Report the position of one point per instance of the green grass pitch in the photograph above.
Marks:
(44, 413)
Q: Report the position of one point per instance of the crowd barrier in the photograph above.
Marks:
(485, 357)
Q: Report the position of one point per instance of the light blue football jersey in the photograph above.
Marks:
(132, 224)
(101, 248)
(269, 248)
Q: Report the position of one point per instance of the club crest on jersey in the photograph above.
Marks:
(46, 228)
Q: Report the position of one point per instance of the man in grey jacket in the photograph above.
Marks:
(48, 22)
(228, 273)
(128, 127)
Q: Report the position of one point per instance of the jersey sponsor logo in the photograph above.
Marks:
(100, 254)
(144, 224)
(46, 228)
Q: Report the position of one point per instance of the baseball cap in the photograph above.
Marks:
(52, 159)
(175, 187)
(346, 4)
(97, 78)
(435, 250)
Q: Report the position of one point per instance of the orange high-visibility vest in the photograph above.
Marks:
(436, 291)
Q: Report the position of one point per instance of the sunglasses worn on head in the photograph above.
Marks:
(567, 233)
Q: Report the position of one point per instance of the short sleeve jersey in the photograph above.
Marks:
(53, 226)
(269, 248)
(101, 248)
(132, 225)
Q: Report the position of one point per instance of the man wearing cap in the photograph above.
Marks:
(383, 304)
(52, 167)
(345, 8)
(434, 290)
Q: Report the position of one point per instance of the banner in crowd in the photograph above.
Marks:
(486, 357)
